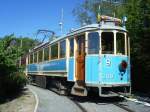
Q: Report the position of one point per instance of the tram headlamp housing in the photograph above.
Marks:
(124, 19)
(123, 66)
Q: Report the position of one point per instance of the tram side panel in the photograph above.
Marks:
(49, 68)
(71, 69)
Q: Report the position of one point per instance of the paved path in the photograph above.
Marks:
(51, 102)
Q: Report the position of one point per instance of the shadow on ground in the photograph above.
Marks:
(96, 99)
(8, 98)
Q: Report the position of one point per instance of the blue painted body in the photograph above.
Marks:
(102, 69)
(71, 70)
(92, 69)
(55, 65)
(105, 70)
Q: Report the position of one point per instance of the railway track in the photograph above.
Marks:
(96, 100)
(79, 105)
(76, 101)
(123, 107)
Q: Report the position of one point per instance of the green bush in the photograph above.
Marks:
(12, 84)
(15, 82)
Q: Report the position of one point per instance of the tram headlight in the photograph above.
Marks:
(122, 66)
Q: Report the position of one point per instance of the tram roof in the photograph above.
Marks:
(91, 27)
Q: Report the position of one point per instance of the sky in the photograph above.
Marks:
(25, 17)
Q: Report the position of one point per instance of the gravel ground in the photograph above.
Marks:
(24, 103)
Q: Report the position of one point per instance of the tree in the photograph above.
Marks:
(11, 79)
(87, 12)
(138, 12)
(26, 43)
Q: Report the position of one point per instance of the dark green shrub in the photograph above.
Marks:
(15, 82)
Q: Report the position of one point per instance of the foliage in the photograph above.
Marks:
(15, 82)
(138, 25)
(87, 11)
(11, 79)
(26, 43)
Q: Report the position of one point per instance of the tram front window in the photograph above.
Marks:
(120, 43)
(107, 39)
(93, 43)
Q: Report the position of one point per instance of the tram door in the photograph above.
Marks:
(80, 58)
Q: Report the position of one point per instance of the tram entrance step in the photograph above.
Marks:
(79, 89)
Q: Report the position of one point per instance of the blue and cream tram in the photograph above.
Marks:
(95, 56)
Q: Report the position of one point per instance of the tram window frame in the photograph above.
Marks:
(128, 45)
(40, 55)
(109, 49)
(120, 41)
(46, 53)
(93, 43)
(35, 57)
(62, 49)
(81, 44)
(31, 58)
(54, 51)
(71, 47)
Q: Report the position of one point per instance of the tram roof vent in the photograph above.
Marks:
(107, 20)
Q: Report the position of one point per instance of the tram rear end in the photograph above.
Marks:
(109, 69)
(115, 63)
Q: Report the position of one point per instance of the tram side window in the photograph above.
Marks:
(46, 53)
(31, 58)
(40, 57)
(28, 59)
(128, 45)
(54, 51)
(62, 49)
(71, 47)
(93, 43)
(35, 57)
(107, 42)
(120, 43)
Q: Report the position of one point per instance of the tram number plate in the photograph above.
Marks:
(108, 76)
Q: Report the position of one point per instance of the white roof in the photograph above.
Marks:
(91, 27)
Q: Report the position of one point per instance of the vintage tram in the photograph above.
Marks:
(93, 57)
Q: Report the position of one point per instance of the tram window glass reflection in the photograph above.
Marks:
(54, 51)
(31, 58)
(81, 45)
(62, 49)
(28, 59)
(71, 47)
(40, 56)
(93, 43)
(107, 42)
(120, 43)
(35, 57)
(128, 45)
(46, 53)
